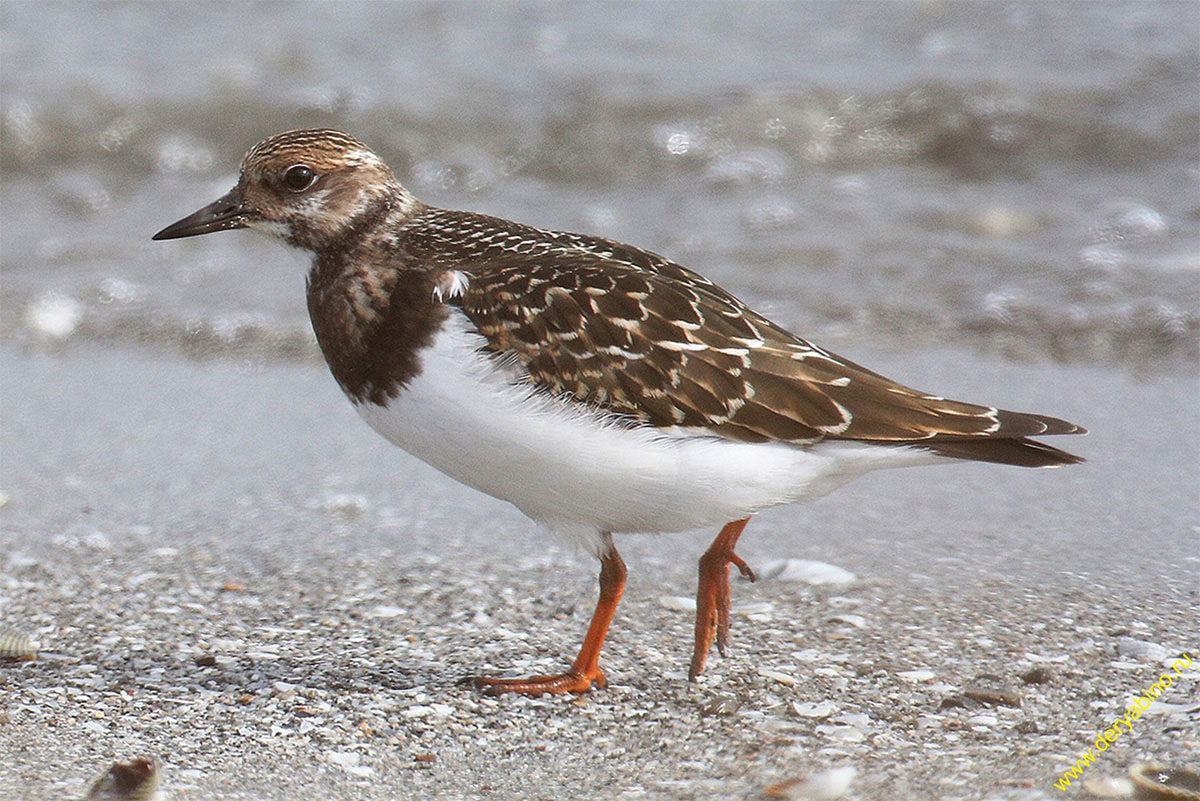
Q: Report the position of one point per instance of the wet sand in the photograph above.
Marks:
(227, 569)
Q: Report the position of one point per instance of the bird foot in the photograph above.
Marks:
(723, 599)
(585, 671)
(569, 682)
(713, 597)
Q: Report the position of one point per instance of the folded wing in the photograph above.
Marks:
(628, 331)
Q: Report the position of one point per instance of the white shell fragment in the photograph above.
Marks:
(751, 609)
(385, 611)
(827, 784)
(349, 762)
(845, 734)
(1109, 787)
(810, 709)
(1134, 648)
(1162, 708)
(807, 571)
(775, 675)
(678, 603)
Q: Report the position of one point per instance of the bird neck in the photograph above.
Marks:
(373, 308)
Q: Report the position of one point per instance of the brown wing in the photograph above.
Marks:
(637, 334)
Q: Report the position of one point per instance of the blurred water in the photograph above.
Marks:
(1019, 177)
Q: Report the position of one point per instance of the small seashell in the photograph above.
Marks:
(993, 690)
(1160, 781)
(16, 647)
(135, 780)
(824, 785)
(721, 706)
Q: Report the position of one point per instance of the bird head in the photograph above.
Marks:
(307, 187)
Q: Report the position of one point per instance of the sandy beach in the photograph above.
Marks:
(227, 570)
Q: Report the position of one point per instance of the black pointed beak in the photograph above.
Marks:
(224, 214)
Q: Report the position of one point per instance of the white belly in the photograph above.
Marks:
(563, 466)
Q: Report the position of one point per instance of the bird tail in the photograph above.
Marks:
(1019, 451)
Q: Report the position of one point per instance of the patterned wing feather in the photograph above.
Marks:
(634, 333)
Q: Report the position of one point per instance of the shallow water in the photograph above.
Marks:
(1017, 177)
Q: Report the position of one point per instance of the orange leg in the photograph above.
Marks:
(586, 670)
(712, 594)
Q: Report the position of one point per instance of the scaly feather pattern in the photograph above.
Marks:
(629, 331)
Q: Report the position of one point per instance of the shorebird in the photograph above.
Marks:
(600, 388)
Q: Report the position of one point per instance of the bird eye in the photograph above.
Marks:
(299, 177)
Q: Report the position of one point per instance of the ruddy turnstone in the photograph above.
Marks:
(598, 387)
